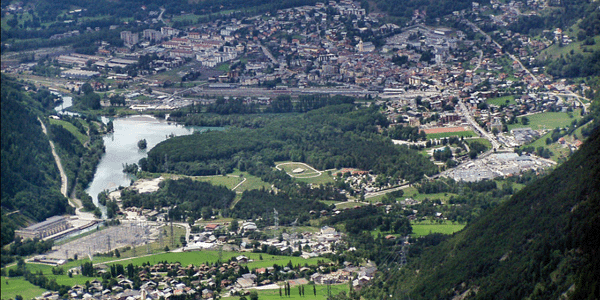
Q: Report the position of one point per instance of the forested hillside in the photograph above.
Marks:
(30, 178)
(402, 11)
(541, 244)
(331, 137)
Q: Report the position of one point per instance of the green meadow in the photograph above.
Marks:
(321, 292)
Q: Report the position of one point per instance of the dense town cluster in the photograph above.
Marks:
(419, 71)
(461, 89)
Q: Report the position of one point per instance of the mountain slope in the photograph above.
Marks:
(541, 244)
(30, 178)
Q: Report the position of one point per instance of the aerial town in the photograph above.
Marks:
(476, 103)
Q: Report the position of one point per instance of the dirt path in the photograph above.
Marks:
(63, 175)
(235, 187)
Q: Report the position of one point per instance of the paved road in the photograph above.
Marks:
(479, 62)
(482, 132)
(584, 106)
(268, 54)
(383, 192)
(160, 18)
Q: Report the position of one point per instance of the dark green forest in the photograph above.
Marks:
(540, 244)
(187, 198)
(30, 178)
(331, 137)
(402, 11)
(260, 203)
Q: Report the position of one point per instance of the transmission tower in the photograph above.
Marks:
(108, 241)
(172, 235)
(293, 233)
(276, 217)
(221, 253)
(403, 252)
(160, 237)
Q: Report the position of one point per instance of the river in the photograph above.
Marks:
(121, 147)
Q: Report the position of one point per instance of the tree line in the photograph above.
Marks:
(330, 137)
(30, 179)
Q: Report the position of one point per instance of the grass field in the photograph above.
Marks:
(502, 100)
(223, 67)
(555, 51)
(226, 181)
(441, 135)
(82, 138)
(14, 286)
(548, 120)
(485, 142)
(19, 286)
(186, 18)
(350, 205)
(323, 179)
(558, 150)
(200, 257)
(308, 292)
(231, 180)
(441, 196)
(252, 182)
(426, 227)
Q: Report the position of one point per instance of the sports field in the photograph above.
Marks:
(442, 132)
